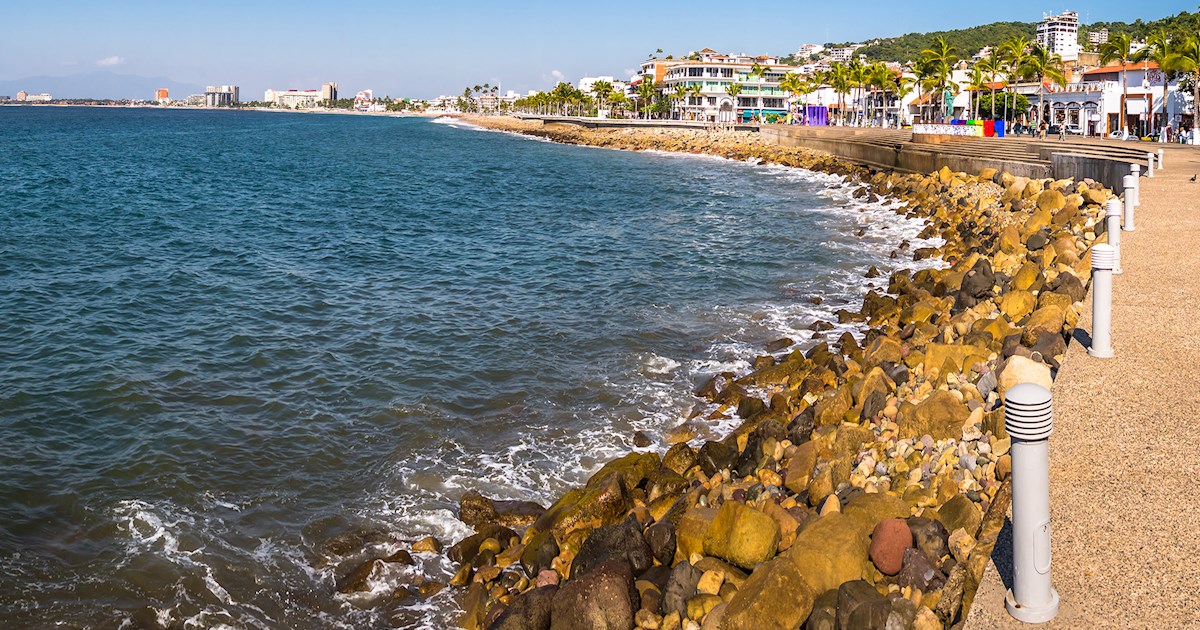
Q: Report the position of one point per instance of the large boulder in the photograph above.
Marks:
(632, 468)
(603, 599)
(868, 509)
(539, 553)
(619, 541)
(775, 597)
(530, 610)
(1045, 319)
(961, 512)
(477, 510)
(661, 539)
(830, 551)
(941, 416)
(742, 535)
(691, 530)
(600, 504)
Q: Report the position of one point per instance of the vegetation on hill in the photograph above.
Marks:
(967, 41)
(1176, 26)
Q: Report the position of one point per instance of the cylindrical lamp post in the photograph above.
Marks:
(1102, 267)
(1113, 210)
(1029, 419)
(1129, 182)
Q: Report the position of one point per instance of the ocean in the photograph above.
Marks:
(231, 342)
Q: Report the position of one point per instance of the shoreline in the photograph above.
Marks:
(863, 479)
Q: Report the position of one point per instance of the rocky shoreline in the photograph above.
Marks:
(867, 482)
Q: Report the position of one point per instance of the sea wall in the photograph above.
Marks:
(867, 480)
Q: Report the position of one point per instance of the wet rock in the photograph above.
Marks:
(775, 597)
(661, 539)
(477, 510)
(714, 457)
(665, 482)
(889, 540)
(358, 579)
(400, 557)
(539, 553)
(601, 504)
(619, 541)
(919, 572)
(604, 598)
(641, 440)
(466, 549)
(428, 544)
(742, 535)
(679, 458)
(681, 586)
(779, 344)
(632, 469)
(530, 610)
(861, 606)
(354, 541)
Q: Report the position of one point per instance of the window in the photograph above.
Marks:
(726, 73)
(695, 72)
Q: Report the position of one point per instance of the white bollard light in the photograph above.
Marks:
(1160, 155)
(1102, 268)
(1136, 171)
(1113, 210)
(1130, 201)
(1029, 419)
(1150, 164)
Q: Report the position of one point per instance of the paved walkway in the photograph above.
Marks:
(1125, 454)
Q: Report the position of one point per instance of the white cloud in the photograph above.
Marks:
(557, 75)
(630, 72)
(111, 61)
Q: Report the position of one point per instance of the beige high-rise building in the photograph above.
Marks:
(329, 92)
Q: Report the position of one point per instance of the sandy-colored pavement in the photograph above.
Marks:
(1125, 453)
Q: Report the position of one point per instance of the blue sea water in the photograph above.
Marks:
(228, 338)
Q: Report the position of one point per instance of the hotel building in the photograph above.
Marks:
(220, 95)
(713, 72)
(1060, 34)
(293, 99)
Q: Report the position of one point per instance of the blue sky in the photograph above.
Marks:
(422, 49)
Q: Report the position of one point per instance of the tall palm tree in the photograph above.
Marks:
(794, 86)
(756, 74)
(839, 80)
(942, 57)
(1158, 49)
(678, 95)
(696, 91)
(880, 76)
(976, 83)
(602, 89)
(991, 66)
(1119, 48)
(1013, 53)
(1185, 57)
(1041, 64)
(858, 74)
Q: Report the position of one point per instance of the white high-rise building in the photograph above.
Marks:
(1060, 34)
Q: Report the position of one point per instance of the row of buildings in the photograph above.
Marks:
(1092, 100)
(229, 95)
(26, 97)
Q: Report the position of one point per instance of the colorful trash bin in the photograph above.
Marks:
(999, 128)
(989, 128)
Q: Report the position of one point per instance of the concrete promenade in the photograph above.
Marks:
(1123, 457)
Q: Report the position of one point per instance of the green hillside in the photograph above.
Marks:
(968, 41)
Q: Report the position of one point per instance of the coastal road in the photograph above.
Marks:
(1124, 505)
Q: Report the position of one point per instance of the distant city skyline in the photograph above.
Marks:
(429, 49)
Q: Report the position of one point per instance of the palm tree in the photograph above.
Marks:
(756, 74)
(793, 85)
(942, 57)
(976, 83)
(696, 91)
(1013, 53)
(619, 100)
(839, 80)
(679, 94)
(1119, 48)
(858, 78)
(602, 89)
(1041, 64)
(646, 91)
(733, 89)
(991, 66)
(880, 76)
(1185, 57)
(1158, 49)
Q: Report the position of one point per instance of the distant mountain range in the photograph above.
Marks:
(98, 85)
